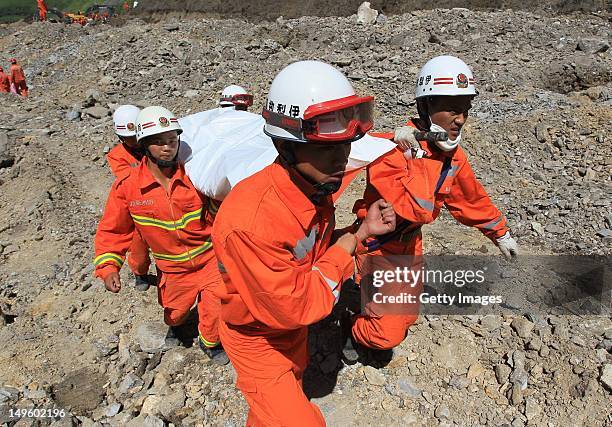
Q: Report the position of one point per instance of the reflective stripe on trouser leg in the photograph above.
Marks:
(206, 342)
(209, 303)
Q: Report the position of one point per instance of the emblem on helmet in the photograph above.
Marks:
(130, 126)
(164, 122)
(462, 81)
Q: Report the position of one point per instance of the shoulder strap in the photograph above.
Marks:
(445, 168)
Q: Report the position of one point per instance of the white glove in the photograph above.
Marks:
(507, 245)
(404, 138)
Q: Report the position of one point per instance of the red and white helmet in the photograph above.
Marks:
(234, 95)
(155, 120)
(445, 75)
(311, 101)
(124, 120)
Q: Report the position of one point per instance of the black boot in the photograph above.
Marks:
(350, 356)
(379, 358)
(216, 354)
(142, 282)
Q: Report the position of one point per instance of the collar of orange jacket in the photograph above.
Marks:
(146, 178)
(295, 192)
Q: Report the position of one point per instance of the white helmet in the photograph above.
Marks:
(124, 120)
(234, 95)
(445, 75)
(155, 120)
(313, 101)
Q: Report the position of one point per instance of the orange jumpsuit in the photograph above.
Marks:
(5, 82)
(177, 228)
(126, 7)
(42, 10)
(410, 185)
(281, 275)
(122, 159)
(18, 78)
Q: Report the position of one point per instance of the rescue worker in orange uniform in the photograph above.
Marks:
(420, 178)
(233, 97)
(42, 10)
(122, 159)
(5, 82)
(126, 7)
(127, 155)
(158, 200)
(281, 261)
(236, 97)
(17, 77)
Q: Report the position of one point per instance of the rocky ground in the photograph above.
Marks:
(271, 9)
(538, 139)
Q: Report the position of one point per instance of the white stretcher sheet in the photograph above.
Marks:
(221, 147)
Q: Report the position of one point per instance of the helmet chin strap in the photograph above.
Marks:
(163, 163)
(322, 189)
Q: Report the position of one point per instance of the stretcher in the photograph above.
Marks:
(222, 146)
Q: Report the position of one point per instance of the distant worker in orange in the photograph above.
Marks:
(158, 200)
(17, 77)
(42, 10)
(122, 159)
(126, 7)
(282, 261)
(5, 82)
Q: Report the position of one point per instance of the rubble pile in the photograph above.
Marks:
(537, 138)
